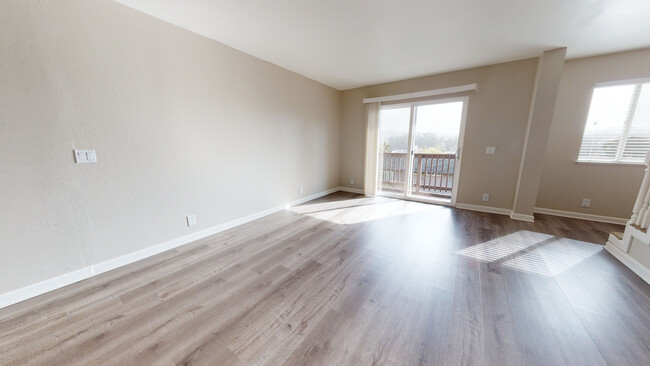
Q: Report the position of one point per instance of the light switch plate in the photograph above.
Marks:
(85, 157)
(490, 150)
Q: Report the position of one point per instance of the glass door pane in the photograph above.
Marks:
(435, 143)
(394, 124)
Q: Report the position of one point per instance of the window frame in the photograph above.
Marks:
(638, 82)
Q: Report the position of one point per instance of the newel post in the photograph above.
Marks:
(640, 211)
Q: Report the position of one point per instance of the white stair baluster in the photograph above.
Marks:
(640, 216)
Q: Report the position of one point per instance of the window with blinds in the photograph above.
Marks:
(618, 124)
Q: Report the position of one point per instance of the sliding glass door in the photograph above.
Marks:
(420, 148)
(394, 132)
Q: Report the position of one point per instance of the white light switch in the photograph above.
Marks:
(491, 150)
(85, 156)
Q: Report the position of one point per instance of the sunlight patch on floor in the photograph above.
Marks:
(504, 246)
(554, 258)
(362, 211)
(311, 207)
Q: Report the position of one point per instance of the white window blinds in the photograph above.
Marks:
(618, 124)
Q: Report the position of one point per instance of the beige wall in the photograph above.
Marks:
(540, 118)
(181, 124)
(612, 188)
(497, 116)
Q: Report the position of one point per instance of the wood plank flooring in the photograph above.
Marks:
(350, 280)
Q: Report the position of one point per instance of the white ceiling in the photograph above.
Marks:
(351, 43)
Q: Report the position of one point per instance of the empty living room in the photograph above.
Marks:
(302, 182)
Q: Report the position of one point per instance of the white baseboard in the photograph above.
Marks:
(496, 210)
(522, 217)
(27, 292)
(488, 209)
(629, 262)
(351, 190)
(578, 215)
(546, 211)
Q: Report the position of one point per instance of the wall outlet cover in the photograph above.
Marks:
(586, 202)
(191, 220)
(486, 197)
(85, 157)
(351, 181)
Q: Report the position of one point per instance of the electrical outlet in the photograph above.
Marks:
(85, 157)
(490, 150)
(351, 181)
(300, 190)
(486, 197)
(586, 202)
(191, 220)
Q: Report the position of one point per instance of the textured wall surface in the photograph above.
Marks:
(181, 125)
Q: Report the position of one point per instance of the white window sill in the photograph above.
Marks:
(609, 163)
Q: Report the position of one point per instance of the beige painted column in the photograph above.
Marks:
(542, 106)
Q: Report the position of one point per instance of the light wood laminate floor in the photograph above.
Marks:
(350, 280)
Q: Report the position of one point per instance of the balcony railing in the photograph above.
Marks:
(433, 174)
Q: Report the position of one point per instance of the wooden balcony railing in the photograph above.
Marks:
(433, 174)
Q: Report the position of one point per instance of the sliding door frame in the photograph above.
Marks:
(410, 151)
